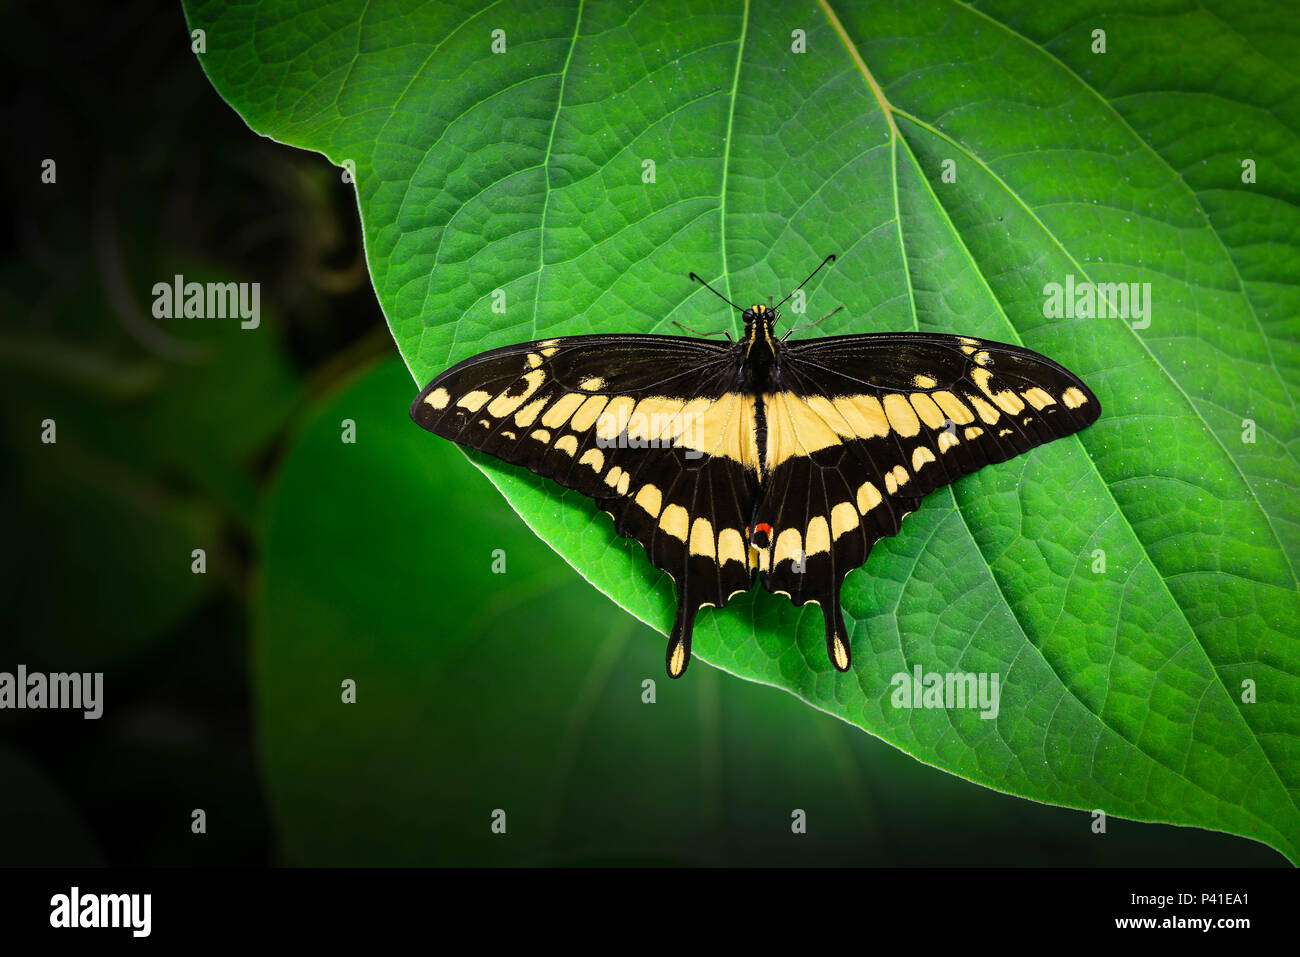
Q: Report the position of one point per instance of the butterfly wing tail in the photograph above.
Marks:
(679, 640)
(837, 636)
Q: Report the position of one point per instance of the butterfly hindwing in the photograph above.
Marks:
(821, 519)
(651, 427)
(860, 428)
(691, 517)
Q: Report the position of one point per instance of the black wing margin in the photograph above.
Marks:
(861, 428)
(651, 427)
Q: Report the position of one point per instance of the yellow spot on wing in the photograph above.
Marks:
(868, 497)
(473, 400)
(901, 415)
(594, 384)
(789, 544)
(974, 432)
(844, 519)
(865, 415)
(818, 537)
(1073, 397)
(593, 457)
(953, 408)
(924, 382)
(1039, 398)
(648, 498)
(986, 411)
(841, 652)
(920, 455)
(927, 410)
(528, 414)
(731, 547)
(564, 407)
(541, 435)
(658, 419)
(677, 663)
(438, 398)
(674, 521)
(947, 440)
(613, 419)
(568, 445)
(615, 476)
(1006, 400)
(830, 415)
(702, 542)
(585, 417)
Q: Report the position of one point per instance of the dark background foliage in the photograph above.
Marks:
(169, 438)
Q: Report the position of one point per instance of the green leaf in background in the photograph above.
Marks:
(1135, 586)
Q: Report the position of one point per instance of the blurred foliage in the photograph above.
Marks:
(166, 429)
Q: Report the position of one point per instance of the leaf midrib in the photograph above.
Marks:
(896, 135)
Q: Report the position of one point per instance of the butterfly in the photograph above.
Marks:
(761, 457)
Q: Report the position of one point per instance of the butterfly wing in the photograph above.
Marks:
(860, 428)
(651, 427)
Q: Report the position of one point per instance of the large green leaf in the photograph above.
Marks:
(1131, 586)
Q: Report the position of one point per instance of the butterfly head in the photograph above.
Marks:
(760, 320)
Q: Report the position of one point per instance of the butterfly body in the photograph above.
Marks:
(759, 459)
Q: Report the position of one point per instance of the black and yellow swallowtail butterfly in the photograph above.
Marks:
(762, 458)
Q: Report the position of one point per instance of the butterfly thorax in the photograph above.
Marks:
(759, 347)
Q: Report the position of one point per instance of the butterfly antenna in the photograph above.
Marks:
(828, 259)
(716, 293)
